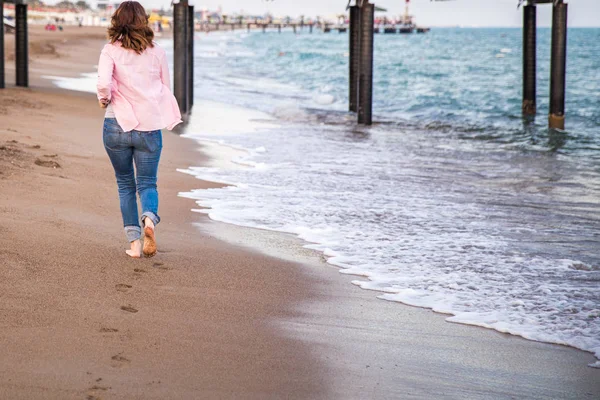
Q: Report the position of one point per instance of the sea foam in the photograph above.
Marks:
(453, 206)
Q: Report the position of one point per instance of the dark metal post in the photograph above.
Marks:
(558, 66)
(311, 27)
(180, 52)
(264, 28)
(354, 57)
(248, 28)
(2, 78)
(21, 42)
(279, 28)
(190, 56)
(294, 28)
(529, 59)
(365, 80)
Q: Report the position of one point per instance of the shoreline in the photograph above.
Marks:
(223, 160)
(269, 328)
(534, 331)
(308, 254)
(87, 306)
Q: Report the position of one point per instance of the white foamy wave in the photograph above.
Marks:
(324, 99)
(85, 83)
(389, 218)
(216, 119)
(292, 112)
(209, 54)
(491, 237)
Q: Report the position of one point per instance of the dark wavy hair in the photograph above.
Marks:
(129, 25)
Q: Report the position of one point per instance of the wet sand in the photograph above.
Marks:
(205, 318)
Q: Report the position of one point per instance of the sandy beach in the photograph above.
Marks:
(206, 317)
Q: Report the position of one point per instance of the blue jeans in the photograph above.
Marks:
(124, 150)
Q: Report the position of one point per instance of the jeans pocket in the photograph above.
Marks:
(153, 140)
(111, 134)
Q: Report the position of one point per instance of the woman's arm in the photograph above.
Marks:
(105, 71)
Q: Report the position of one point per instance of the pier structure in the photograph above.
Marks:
(21, 44)
(361, 52)
(279, 26)
(362, 30)
(558, 60)
(183, 55)
(405, 24)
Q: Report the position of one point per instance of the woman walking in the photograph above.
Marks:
(134, 87)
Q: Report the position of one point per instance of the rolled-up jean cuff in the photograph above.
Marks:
(133, 233)
(153, 217)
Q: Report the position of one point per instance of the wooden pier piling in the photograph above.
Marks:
(558, 67)
(354, 55)
(190, 56)
(22, 44)
(529, 59)
(180, 55)
(2, 74)
(365, 81)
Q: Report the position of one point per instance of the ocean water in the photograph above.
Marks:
(450, 201)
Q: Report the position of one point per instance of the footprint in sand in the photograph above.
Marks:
(119, 361)
(92, 392)
(129, 309)
(139, 270)
(161, 266)
(96, 387)
(47, 163)
(121, 287)
(108, 330)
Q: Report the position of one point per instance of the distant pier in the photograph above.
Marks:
(325, 27)
(273, 26)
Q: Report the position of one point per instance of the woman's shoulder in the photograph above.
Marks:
(157, 49)
(110, 47)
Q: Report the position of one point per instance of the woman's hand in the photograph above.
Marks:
(104, 103)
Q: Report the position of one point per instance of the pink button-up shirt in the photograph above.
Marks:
(138, 87)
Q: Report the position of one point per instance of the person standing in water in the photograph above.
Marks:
(134, 87)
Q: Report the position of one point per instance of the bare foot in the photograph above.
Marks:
(135, 251)
(149, 240)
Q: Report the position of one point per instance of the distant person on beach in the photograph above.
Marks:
(134, 87)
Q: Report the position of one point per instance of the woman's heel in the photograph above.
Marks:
(149, 240)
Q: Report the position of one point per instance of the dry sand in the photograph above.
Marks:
(204, 318)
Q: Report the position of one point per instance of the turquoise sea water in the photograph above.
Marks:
(450, 200)
(449, 79)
